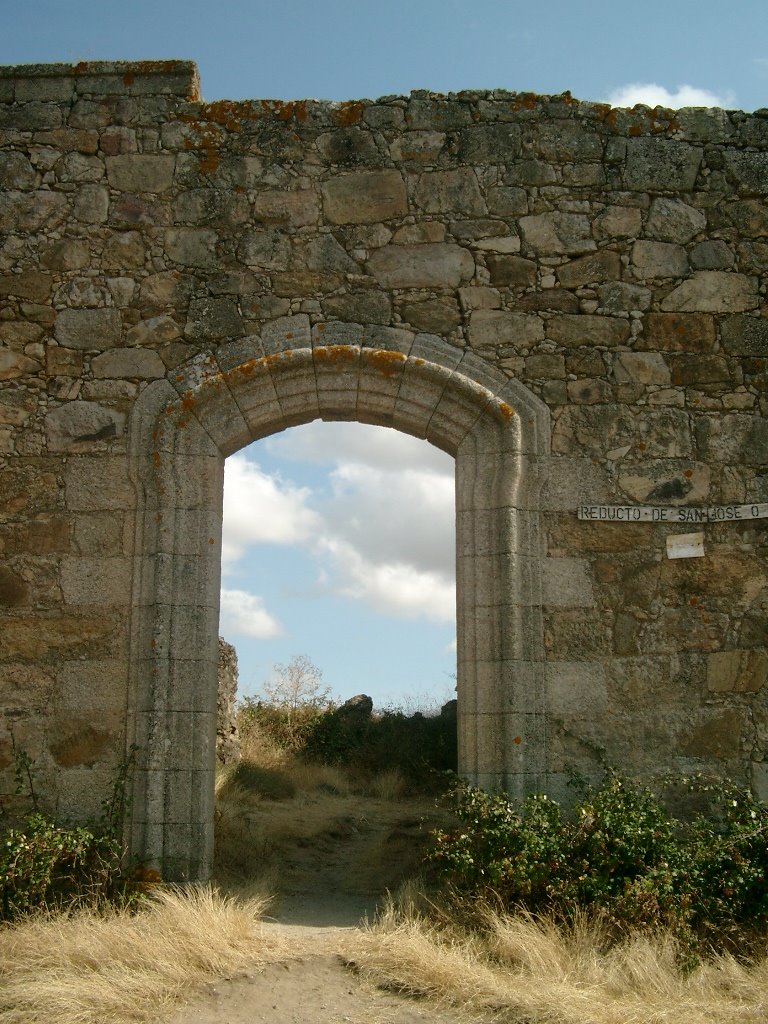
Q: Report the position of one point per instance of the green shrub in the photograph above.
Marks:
(422, 748)
(618, 852)
(45, 865)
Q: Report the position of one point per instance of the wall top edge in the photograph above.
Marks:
(182, 79)
(179, 77)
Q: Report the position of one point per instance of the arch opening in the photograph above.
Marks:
(182, 430)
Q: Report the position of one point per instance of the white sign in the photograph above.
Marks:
(685, 545)
(653, 514)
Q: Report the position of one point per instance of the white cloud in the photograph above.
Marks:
(403, 516)
(244, 614)
(333, 444)
(393, 588)
(653, 95)
(382, 531)
(260, 508)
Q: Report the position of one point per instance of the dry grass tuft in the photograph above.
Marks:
(517, 967)
(114, 968)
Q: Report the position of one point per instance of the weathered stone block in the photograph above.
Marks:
(565, 142)
(31, 211)
(600, 266)
(672, 220)
(659, 259)
(30, 284)
(213, 319)
(511, 271)
(693, 370)
(661, 165)
(489, 144)
(435, 316)
(600, 331)
(714, 255)
(452, 192)
(417, 147)
(713, 291)
(675, 332)
(745, 335)
(748, 170)
(437, 114)
(506, 201)
(16, 171)
(490, 328)
(123, 250)
(737, 671)
(293, 209)
(617, 222)
(440, 265)
(567, 583)
(15, 592)
(640, 368)
(67, 254)
(326, 255)
(265, 250)
(91, 204)
(349, 147)
(139, 172)
(192, 247)
(365, 197)
(97, 484)
(80, 426)
(622, 297)
(732, 438)
(557, 233)
(88, 328)
(131, 363)
(717, 735)
(104, 581)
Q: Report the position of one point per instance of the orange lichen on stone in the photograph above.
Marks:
(525, 101)
(334, 354)
(188, 402)
(384, 360)
(285, 111)
(348, 113)
(227, 113)
(506, 411)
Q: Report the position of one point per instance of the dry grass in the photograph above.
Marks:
(517, 968)
(294, 825)
(114, 968)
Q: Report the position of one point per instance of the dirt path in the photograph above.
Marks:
(317, 987)
(331, 882)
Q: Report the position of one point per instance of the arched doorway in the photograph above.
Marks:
(183, 428)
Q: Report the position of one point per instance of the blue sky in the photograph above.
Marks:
(351, 559)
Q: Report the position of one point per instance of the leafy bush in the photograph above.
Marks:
(618, 852)
(422, 748)
(50, 866)
(46, 865)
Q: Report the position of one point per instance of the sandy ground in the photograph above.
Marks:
(330, 885)
(319, 987)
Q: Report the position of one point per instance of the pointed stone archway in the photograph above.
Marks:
(184, 427)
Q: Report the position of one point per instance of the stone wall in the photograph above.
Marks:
(569, 298)
(227, 734)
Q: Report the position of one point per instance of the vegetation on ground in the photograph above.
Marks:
(46, 865)
(519, 968)
(618, 852)
(297, 715)
(110, 966)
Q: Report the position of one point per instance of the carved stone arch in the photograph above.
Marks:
(182, 429)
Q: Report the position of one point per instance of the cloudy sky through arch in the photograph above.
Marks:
(369, 533)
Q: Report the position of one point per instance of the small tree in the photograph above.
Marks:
(296, 691)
